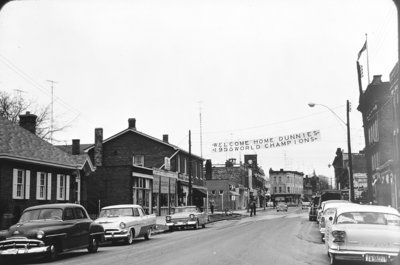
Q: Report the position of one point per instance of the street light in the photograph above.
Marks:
(351, 184)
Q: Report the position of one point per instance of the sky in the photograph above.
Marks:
(247, 68)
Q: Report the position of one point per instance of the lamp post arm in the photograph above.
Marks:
(334, 113)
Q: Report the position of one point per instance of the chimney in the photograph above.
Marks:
(377, 80)
(132, 123)
(98, 146)
(76, 148)
(165, 138)
(28, 122)
(208, 169)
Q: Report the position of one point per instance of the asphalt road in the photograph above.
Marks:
(268, 238)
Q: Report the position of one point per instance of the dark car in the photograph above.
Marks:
(50, 229)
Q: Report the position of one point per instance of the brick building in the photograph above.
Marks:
(377, 112)
(286, 186)
(229, 184)
(125, 165)
(32, 171)
(395, 163)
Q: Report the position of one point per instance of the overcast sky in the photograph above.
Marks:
(250, 68)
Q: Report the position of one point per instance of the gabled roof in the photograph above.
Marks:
(17, 143)
(147, 136)
(81, 159)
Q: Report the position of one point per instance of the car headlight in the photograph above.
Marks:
(191, 216)
(168, 218)
(39, 234)
(122, 225)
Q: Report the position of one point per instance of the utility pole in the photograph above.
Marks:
(52, 109)
(190, 169)
(201, 132)
(351, 184)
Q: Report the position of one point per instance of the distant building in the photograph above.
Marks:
(286, 186)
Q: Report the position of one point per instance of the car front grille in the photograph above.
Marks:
(20, 242)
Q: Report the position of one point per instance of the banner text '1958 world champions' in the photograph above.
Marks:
(267, 143)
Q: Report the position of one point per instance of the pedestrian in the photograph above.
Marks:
(252, 207)
(212, 208)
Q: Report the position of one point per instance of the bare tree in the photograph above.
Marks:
(12, 106)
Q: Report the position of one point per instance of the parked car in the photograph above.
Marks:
(126, 222)
(281, 206)
(364, 233)
(312, 211)
(329, 210)
(50, 229)
(323, 205)
(186, 216)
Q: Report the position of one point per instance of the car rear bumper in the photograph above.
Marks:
(360, 255)
(182, 224)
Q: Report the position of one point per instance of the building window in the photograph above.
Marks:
(178, 159)
(138, 160)
(185, 166)
(43, 186)
(21, 184)
(280, 189)
(62, 187)
(280, 179)
(288, 189)
(275, 179)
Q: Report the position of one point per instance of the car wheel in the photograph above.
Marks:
(196, 226)
(131, 236)
(53, 252)
(203, 225)
(93, 245)
(147, 236)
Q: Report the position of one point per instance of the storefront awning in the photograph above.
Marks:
(200, 189)
(234, 193)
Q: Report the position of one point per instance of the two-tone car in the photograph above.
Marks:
(281, 206)
(50, 229)
(126, 222)
(186, 216)
(364, 233)
(329, 210)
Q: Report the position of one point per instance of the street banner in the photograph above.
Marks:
(267, 143)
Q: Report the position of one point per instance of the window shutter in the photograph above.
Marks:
(15, 182)
(48, 186)
(38, 186)
(58, 187)
(27, 184)
(67, 187)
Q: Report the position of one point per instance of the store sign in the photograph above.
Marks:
(167, 163)
(267, 143)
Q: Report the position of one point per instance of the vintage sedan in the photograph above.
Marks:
(329, 210)
(186, 216)
(126, 222)
(50, 229)
(364, 233)
(281, 206)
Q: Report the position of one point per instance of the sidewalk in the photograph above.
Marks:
(215, 217)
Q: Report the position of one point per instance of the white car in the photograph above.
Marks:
(329, 211)
(126, 222)
(365, 233)
(186, 216)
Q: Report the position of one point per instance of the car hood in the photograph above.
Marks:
(29, 229)
(182, 215)
(117, 219)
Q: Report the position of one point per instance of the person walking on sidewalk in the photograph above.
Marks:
(252, 207)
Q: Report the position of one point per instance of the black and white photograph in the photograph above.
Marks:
(199, 132)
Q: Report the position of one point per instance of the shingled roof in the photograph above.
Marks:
(17, 143)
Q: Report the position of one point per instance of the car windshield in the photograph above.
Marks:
(115, 212)
(374, 218)
(41, 214)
